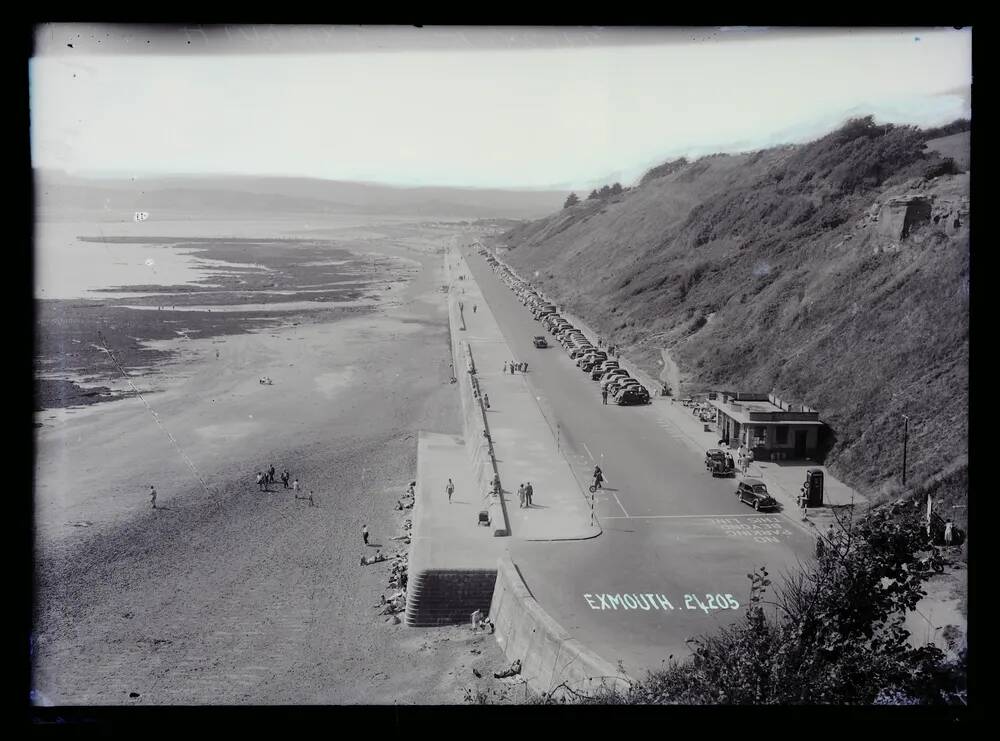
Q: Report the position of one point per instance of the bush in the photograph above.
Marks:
(833, 634)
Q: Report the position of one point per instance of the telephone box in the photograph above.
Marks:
(814, 487)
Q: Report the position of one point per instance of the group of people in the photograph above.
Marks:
(524, 494)
(266, 478)
(406, 502)
(611, 348)
(512, 366)
(379, 556)
(396, 603)
(744, 455)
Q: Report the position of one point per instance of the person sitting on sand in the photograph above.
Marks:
(515, 668)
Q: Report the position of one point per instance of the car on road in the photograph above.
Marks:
(754, 493)
(540, 341)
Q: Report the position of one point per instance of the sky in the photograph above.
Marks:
(477, 107)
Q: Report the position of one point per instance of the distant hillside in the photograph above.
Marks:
(209, 195)
(786, 270)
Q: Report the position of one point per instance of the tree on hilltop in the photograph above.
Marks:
(571, 200)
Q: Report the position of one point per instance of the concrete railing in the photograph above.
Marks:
(549, 656)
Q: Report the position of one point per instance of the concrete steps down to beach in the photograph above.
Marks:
(449, 596)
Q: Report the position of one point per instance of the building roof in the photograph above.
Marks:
(746, 407)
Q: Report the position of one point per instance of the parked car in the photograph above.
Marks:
(540, 341)
(754, 492)
(612, 375)
(594, 354)
(614, 386)
(720, 462)
(580, 349)
(627, 383)
(588, 361)
(598, 371)
(631, 396)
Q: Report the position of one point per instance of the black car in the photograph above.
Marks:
(540, 341)
(754, 492)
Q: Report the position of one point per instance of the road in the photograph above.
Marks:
(676, 540)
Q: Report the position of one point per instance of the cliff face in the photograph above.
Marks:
(835, 274)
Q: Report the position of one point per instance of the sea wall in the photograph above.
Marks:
(549, 656)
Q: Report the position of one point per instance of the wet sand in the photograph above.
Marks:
(228, 595)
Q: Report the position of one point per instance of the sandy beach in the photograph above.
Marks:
(228, 595)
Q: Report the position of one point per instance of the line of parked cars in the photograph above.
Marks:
(621, 387)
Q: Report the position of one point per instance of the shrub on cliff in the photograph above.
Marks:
(833, 634)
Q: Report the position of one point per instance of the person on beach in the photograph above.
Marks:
(152, 495)
(295, 486)
(520, 496)
(529, 493)
(505, 367)
(260, 481)
(525, 369)
(270, 474)
(284, 478)
(364, 533)
(474, 307)
(450, 489)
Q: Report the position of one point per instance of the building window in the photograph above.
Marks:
(759, 437)
(781, 435)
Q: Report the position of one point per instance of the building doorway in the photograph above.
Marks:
(800, 444)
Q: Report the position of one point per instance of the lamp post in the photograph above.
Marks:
(906, 430)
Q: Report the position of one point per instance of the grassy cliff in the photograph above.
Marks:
(780, 271)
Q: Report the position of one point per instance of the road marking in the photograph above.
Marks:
(615, 495)
(672, 517)
(588, 451)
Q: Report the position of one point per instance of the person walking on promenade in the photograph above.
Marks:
(450, 488)
(529, 492)
(364, 533)
(486, 400)
(520, 496)
(604, 395)
(152, 495)
(505, 367)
